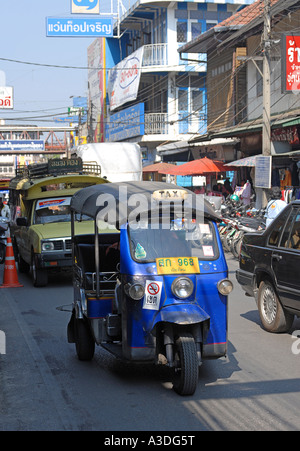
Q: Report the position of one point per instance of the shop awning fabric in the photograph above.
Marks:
(203, 166)
(243, 162)
(160, 168)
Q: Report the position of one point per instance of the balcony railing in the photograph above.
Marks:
(156, 124)
(155, 55)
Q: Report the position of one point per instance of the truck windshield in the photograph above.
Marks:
(54, 210)
(181, 239)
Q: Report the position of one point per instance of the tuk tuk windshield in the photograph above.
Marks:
(54, 210)
(179, 238)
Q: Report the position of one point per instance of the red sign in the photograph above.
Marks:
(291, 63)
(287, 134)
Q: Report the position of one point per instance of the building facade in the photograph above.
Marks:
(150, 93)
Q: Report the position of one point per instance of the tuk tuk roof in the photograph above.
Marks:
(87, 201)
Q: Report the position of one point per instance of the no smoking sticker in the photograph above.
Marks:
(152, 295)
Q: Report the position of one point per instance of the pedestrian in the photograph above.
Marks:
(227, 188)
(4, 210)
(245, 193)
(275, 205)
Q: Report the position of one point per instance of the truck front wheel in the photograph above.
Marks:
(39, 276)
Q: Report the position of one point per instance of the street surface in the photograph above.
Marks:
(43, 386)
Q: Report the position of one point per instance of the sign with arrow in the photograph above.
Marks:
(85, 6)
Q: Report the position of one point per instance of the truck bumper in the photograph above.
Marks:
(55, 260)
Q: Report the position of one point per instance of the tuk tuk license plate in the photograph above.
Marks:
(177, 265)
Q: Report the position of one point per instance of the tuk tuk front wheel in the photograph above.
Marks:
(84, 342)
(186, 367)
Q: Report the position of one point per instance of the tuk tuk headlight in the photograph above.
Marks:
(47, 246)
(182, 287)
(225, 287)
(135, 291)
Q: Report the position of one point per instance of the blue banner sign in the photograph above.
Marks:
(65, 119)
(126, 124)
(11, 145)
(81, 27)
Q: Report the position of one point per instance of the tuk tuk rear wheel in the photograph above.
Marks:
(186, 370)
(84, 342)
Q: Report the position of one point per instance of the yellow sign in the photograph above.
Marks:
(177, 265)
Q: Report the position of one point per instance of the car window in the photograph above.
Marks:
(277, 227)
(285, 239)
(294, 239)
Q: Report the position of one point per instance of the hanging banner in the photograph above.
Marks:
(97, 89)
(124, 80)
(290, 60)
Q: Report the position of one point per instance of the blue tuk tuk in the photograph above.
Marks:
(151, 284)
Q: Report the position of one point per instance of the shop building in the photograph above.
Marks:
(235, 88)
(152, 94)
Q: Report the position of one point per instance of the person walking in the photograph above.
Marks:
(4, 210)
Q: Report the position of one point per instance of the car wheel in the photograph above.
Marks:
(273, 317)
(39, 276)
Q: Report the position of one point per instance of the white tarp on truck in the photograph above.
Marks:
(120, 162)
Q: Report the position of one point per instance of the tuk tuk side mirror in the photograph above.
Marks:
(22, 222)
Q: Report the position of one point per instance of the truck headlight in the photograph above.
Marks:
(182, 287)
(225, 287)
(47, 246)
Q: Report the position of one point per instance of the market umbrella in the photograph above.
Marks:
(244, 162)
(161, 168)
(201, 167)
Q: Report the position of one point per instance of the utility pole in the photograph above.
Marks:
(266, 129)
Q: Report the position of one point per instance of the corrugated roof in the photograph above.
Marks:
(246, 15)
(237, 21)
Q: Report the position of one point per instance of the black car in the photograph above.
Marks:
(270, 269)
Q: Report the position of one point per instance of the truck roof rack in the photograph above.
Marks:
(55, 167)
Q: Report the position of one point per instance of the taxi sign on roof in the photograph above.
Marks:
(170, 194)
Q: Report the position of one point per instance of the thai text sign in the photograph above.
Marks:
(6, 97)
(126, 124)
(177, 265)
(290, 63)
(287, 134)
(124, 80)
(21, 144)
(85, 6)
(263, 168)
(81, 27)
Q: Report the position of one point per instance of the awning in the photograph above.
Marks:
(180, 146)
(243, 162)
(202, 166)
(160, 168)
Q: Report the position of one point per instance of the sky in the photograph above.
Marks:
(40, 91)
